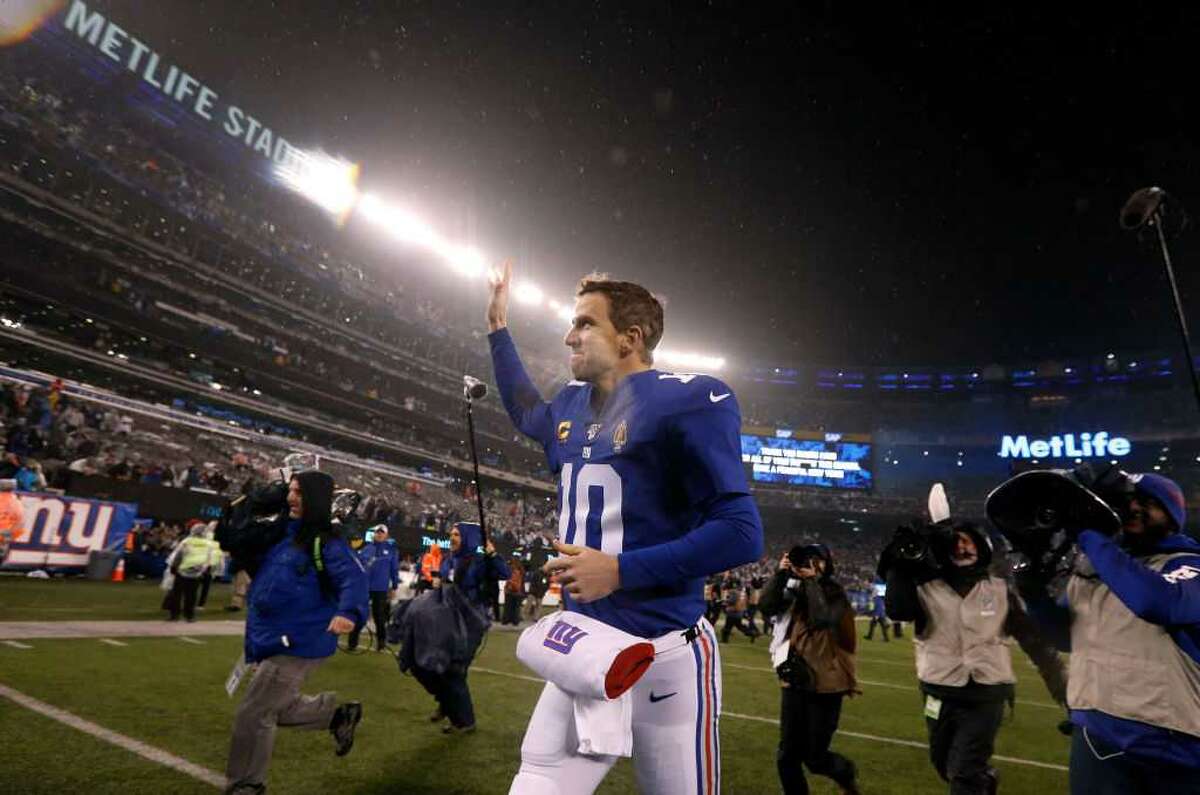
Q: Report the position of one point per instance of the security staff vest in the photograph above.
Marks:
(194, 554)
(1126, 667)
(963, 638)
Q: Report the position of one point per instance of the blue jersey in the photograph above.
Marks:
(654, 476)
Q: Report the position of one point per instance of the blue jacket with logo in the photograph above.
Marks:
(291, 605)
(382, 563)
(1152, 596)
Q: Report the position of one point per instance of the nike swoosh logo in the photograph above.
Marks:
(655, 699)
(718, 398)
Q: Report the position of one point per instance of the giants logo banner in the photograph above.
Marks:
(59, 532)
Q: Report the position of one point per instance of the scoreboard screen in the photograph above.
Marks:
(804, 458)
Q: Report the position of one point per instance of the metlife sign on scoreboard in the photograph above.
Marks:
(1094, 444)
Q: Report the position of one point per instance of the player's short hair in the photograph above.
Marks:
(629, 305)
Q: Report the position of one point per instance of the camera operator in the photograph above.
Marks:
(937, 577)
(1131, 620)
(307, 587)
(812, 648)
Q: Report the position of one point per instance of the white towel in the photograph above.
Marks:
(605, 728)
(596, 665)
(578, 654)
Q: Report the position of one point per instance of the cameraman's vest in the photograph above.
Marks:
(963, 638)
(1124, 666)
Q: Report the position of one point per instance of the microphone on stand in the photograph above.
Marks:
(473, 388)
(1153, 208)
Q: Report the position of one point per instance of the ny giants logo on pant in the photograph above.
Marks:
(562, 637)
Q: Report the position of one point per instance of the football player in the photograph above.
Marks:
(652, 499)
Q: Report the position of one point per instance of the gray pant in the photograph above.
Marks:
(273, 699)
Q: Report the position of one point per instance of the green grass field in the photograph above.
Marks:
(169, 693)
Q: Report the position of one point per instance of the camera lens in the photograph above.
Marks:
(1045, 518)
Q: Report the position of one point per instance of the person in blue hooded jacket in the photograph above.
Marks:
(471, 573)
(308, 587)
(1131, 620)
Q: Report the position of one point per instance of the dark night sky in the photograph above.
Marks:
(840, 185)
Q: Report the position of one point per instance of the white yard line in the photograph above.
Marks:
(114, 738)
(911, 688)
(186, 639)
(17, 645)
(897, 741)
(112, 642)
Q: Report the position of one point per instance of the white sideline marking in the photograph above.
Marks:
(774, 722)
(17, 644)
(877, 661)
(120, 740)
(112, 642)
(506, 673)
(186, 639)
(898, 741)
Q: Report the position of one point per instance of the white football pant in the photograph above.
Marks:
(676, 742)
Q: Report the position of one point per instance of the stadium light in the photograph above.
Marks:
(332, 184)
(328, 182)
(20, 18)
(527, 293)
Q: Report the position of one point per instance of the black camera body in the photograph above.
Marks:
(920, 542)
(796, 673)
(1031, 508)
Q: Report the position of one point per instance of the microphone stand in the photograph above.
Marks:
(1156, 222)
(475, 468)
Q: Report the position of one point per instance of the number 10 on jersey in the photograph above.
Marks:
(578, 490)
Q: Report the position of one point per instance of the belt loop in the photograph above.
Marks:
(692, 633)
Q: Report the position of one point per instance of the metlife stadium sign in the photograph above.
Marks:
(1086, 445)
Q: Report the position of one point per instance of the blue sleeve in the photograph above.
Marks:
(729, 535)
(349, 579)
(1152, 596)
(394, 579)
(520, 396)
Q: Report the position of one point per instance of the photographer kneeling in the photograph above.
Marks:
(812, 648)
(307, 588)
(1130, 617)
(937, 577)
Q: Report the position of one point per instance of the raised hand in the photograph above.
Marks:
(499, 280)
